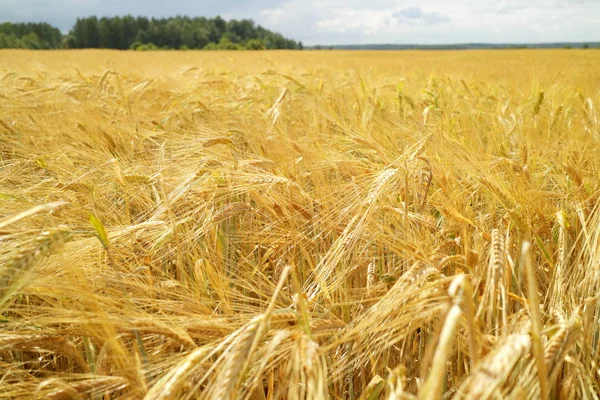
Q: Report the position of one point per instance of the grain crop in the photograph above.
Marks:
(300, 225)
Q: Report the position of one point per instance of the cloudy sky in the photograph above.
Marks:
(354, 21)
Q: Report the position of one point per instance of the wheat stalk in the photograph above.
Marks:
(494, 369)
(216, 140)
(26, 257)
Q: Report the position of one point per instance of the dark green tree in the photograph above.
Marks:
(30, 35)
(255, 44)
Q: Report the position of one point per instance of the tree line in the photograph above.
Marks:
(30, 36)
(463, 46)
(141, 33)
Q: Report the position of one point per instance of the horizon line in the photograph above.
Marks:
(461, 43)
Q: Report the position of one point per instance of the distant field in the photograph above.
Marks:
(300, 225)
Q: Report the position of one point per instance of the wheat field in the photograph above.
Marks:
(300, 225)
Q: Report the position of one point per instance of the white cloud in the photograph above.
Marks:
(428, 21)
(367, 21)
(415, 15)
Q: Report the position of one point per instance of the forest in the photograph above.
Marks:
(141, 33)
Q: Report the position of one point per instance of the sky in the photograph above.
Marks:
(330, 22)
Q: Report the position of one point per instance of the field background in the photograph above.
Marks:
(521, 67)
(317, 224)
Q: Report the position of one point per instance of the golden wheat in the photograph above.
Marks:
(299, 225)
